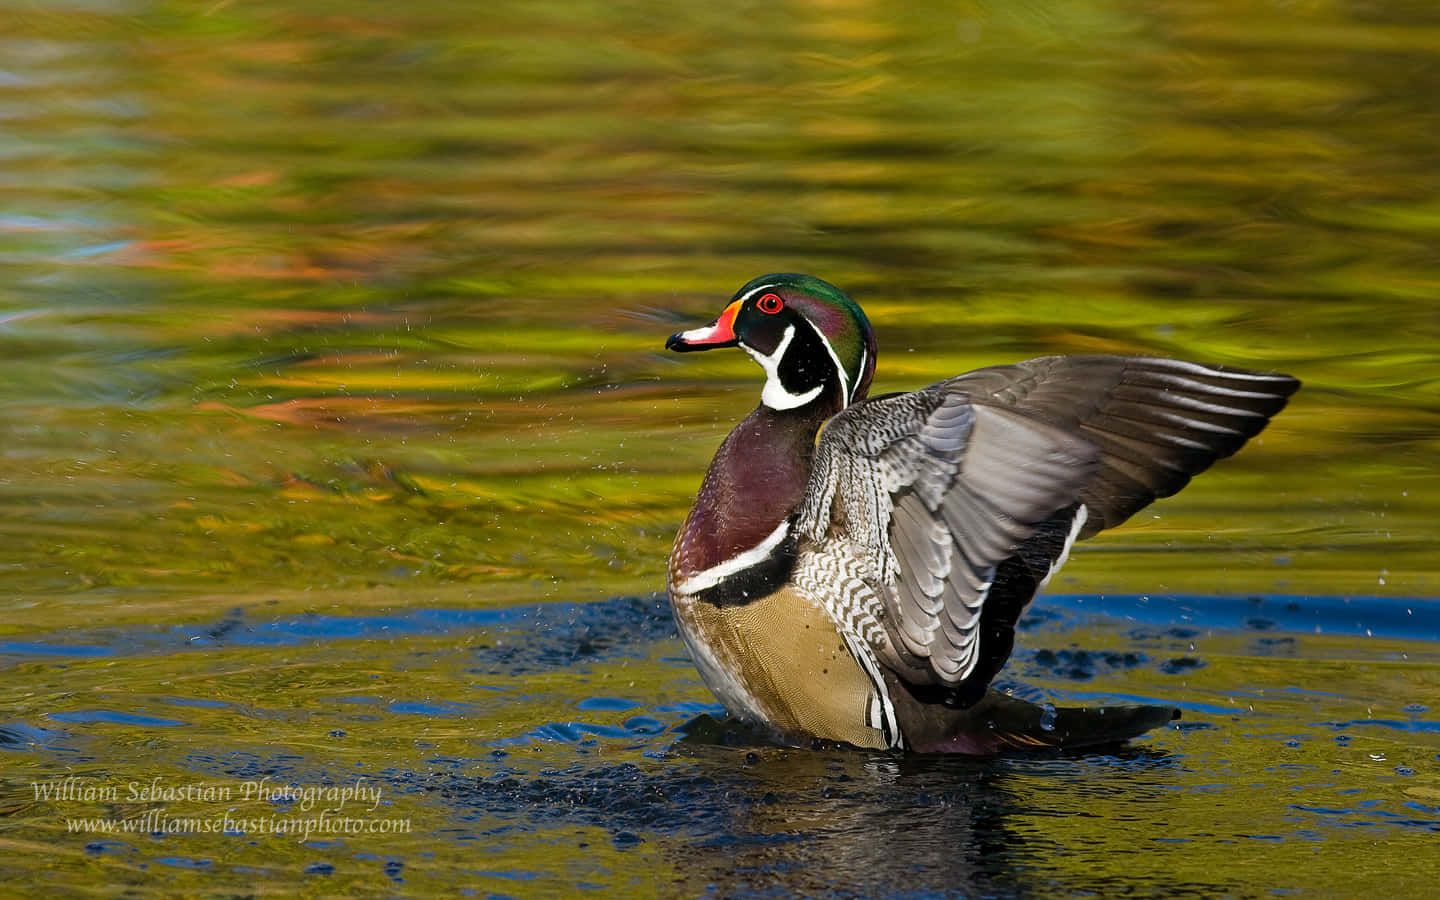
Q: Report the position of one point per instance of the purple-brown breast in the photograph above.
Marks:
(754, 483)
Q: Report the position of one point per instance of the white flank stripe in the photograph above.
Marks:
(717, 573)
(888, 724)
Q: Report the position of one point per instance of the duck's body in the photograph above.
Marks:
(853, 569)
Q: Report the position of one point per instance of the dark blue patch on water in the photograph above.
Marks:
(564, 634)
(19, 736)
(35, 648)
(612, 704)
(183, 862)
(432, 708)
(91, 716)
(1184, 615)
(554, 633)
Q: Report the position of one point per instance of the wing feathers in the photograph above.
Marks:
(1156, 422)
(982, 531)
(977, 484)
(922, 548)
(1014, 473)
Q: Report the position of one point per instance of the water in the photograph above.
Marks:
(337, 446)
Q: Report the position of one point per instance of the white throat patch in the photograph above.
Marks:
(774, 394)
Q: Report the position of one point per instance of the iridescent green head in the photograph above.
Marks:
(813, 341)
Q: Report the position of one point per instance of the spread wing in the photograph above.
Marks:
(956, 502)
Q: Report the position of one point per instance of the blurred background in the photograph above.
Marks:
(336, 433)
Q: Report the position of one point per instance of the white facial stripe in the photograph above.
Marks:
(830, 349)
(753, 291)
(774, 394)
(720, 571)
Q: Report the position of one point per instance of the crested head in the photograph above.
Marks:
(813, 341)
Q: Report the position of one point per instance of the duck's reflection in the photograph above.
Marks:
(841, 822)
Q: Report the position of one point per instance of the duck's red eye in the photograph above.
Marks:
(770, 304)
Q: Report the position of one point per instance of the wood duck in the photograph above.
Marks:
(852, 569)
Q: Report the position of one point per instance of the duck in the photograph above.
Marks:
(853, 567)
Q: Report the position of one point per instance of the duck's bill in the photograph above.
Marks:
(719, 333)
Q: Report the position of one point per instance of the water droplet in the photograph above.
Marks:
(1047, 717)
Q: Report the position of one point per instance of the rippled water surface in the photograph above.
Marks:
(337, 446)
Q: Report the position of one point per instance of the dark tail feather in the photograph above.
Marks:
(1002, 723)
